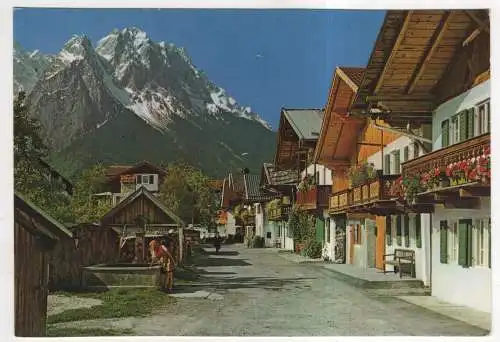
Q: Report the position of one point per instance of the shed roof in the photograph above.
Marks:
(279, 177)
(142, 191)
(306, 123)
(47, 225)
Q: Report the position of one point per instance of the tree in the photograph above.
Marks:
(31, 178)
(187, 193)
(85, 207)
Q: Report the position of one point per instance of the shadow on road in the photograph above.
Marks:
(267, 283)
(227, 253)
(214, 262)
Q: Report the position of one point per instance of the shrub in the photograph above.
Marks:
(312, 249)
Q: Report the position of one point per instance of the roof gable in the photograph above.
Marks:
(305, 122)
(47, 226)
(142, 191)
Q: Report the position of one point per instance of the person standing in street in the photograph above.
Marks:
(168, 266)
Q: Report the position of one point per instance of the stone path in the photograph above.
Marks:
(259, 293)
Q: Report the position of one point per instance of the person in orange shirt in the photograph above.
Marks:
(155, 251)
(168, 266)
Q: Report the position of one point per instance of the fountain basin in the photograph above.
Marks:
(120, 275)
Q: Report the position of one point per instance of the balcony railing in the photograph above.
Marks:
(278, 213)
(442, 158)
(249, 220)
(375, 190)
(315, 198)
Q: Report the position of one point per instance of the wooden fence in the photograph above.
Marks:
(93, 245)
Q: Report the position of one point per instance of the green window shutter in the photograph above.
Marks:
(397, 162)
(418, 231)
(407, 230)
(320, 230)
(462, 117)
(470, 123)
(445, 133)
(387, 164)
(406, 153)
(464, 243)
(398, 230)
(443, 247)
(388, 230)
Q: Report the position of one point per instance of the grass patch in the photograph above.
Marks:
(85, 332)
(118, 302)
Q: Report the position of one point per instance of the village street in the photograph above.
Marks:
(257, 292)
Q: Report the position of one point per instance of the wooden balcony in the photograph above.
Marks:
(249, 220)
(442, 158)
(315, 198)
(279, 213)
(452, 191)
(373, 197)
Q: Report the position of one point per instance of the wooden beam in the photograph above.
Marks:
(400, 97)
(482, 25)
(398, 41)
(435, 40)
(471, 37)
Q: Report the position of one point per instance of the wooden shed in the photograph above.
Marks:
(35, 234)
(142, 216)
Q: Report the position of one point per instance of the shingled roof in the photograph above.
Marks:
(279, 177)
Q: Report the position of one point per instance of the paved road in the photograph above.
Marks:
(256, 292)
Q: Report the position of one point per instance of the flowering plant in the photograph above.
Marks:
(361, 173)
(412, 186)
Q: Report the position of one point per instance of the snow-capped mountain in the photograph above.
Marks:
(28, 67)
(148, 96)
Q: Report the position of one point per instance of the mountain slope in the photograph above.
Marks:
(132, 99)
(28, 67)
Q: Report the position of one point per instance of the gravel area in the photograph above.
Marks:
(255, 292)
(57, 304)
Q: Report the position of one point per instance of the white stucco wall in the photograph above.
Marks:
(446, 110)
(325, 174)
(230, 224)
(451, 282)
(422, 255)
(259, 220)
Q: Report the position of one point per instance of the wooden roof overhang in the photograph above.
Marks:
(339, 131)
(289, 145)
(413, 52)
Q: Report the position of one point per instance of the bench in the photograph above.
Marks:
(277, 243)
(402, 260)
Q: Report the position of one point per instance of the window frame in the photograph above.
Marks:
(453, 243)
(482, 227)
(482, 120)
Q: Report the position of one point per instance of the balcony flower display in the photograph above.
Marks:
(412, 186)
(397, 190)
(361, 173)
(306, 184)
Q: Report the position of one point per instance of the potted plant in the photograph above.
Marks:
(412, 187)
(361, 173)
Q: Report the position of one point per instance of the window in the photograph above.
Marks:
(387, 164)
(138, 179)
(443, 243)
(482, 118)
(480, 243)
(416, 150)
(397, 162)
(455, 130)
(406, 153)
(268, 235)
(453, 243)
(316, 178)
(151, 179)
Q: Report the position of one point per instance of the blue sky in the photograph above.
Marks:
(266, 59)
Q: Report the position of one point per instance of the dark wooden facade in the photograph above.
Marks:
(113, 173)
(35, 234)
(91, 245)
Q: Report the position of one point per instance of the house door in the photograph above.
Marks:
(380, 243)
(340, 243)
